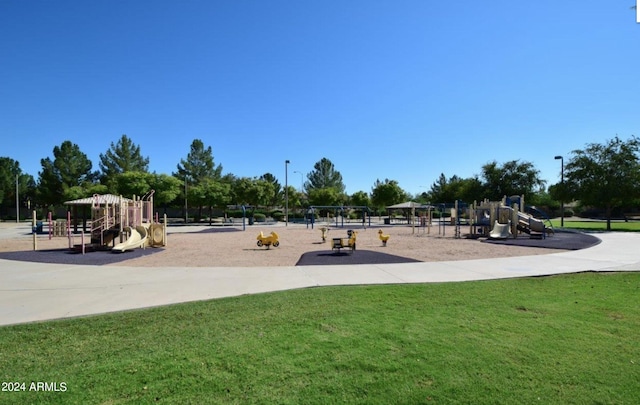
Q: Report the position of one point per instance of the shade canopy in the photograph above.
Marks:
(101, 199)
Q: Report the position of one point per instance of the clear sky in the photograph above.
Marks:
(402, 89)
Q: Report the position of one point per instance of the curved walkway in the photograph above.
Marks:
(35, 291)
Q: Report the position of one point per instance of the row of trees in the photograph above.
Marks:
(603, 175)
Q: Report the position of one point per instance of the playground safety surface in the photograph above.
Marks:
(65, 256)
(560, 240)
(357, 257)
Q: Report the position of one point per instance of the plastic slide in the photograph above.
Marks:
(136, 239)
(534, 224)
(500, 231)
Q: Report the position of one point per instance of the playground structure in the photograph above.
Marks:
(413, 211)
(345, 243)
(506, 218)
(384, 238)
(267, 241)
(495, 219)
(117, 224)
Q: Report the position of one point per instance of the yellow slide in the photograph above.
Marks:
(137, 238)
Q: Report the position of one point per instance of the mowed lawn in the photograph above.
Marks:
(599, 226)
(570, 339)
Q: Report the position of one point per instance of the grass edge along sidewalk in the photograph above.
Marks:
(597, 225)
(559, 339)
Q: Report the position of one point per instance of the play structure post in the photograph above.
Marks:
(49, 217)
(244, 214)
(413, 219)
(313, 217)
(164, 231)
(514, 220)
(33, 227)
(69, 229)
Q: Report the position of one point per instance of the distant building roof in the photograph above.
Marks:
(102, 199)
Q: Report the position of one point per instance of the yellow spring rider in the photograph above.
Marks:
(267, 241)
(341, 243)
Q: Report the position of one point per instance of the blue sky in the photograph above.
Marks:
(403, 90)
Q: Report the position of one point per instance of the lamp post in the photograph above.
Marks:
(17, 201)
(286, 192)
(562, 189)
(186, 208)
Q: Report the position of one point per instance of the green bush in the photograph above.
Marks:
(259, 217)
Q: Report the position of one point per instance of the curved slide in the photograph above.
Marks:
(137, 238)
(500, 231)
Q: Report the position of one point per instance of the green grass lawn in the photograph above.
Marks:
(617, 226)
(570, 339)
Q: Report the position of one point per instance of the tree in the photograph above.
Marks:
(325, 196)
(122, 157)
(324, 175)
(605, 175)
(278, 193)
(132, 183)
(247, 191)
(69, 168)
(512, 178)
(387, 193)
(9, 171)
(360, 198)
(455, 188)
(167, 188)
(199, 164)
(198, 167)
(295, 197)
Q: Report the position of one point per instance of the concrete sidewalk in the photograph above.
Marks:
(35, 291)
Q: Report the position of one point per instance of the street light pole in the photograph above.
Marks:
(562, 189)
(186, 208)
(17, 201)
(286, 192)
